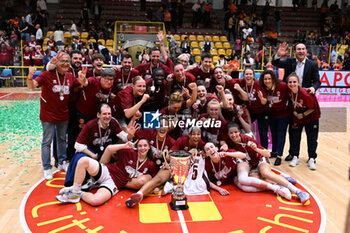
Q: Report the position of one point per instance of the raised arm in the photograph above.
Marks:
(31, 83)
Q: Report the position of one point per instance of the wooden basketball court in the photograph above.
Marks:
(20, 164)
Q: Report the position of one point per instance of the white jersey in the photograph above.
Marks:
(197, 182)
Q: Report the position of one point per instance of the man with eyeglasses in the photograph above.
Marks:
(56, 87)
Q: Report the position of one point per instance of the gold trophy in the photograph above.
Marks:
(179, 166)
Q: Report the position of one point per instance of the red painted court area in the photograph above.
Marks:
(237, 212)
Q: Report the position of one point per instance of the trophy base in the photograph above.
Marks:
(179, 204)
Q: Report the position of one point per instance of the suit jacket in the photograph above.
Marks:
(311, 77)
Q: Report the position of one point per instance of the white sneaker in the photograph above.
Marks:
(294, 162)
(311, 164)
(284, 192)
(63, 166)
(48, 174)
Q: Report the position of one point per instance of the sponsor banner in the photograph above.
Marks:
(334, 82)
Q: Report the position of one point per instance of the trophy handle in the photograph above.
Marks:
(165, 155)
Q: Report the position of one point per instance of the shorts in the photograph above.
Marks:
(261, 161)
(105, 180)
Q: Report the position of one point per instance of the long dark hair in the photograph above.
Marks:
(149, 153)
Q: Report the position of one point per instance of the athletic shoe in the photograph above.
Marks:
(290, 179)
(284, 192)
(63, 166)
(289, 158)
(294, 162)
(311, 164)
(134, 199)
(65, 190)
(88, 185)
(168, 188)
(278, 161)
(48, 174)
(273, 154)
(69, 197)
(303, 196)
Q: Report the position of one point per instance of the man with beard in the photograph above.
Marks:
(146, 69)
(96, 90)
(125, 74)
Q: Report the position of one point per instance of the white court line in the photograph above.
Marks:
(6, 95)
(182, 221)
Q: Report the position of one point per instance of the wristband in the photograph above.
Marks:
(303, 115)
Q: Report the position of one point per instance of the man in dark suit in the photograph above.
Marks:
(305, 68)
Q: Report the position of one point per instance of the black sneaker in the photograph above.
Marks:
(289, 158)
(278, 161)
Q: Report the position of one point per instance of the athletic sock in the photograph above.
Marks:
(272, 187)
(76, 188)
(293, 188)
(139, 192)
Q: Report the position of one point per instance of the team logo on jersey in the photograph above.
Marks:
(151, 120)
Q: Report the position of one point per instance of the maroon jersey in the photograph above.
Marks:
(5, 56)
(304, 102)
(27, 57)
(231, 115)
(92, 96)
(123, 80)
(277, 99)
(126, 168)
(202, 108)
(199, 74)
(213, 134)
(124, 100)
(95, 136)
(52, 107)
(156, 100)
(146, 70)
(32, 44)
(254, 104)
(38, 61)
(223, 171)
(183, 143)
(189, 78)
(91, 73)
(157, 146)
(253, 157)
(51, 44)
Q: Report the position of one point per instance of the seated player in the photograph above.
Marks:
(192, 141)
(257, 164)
(221, 166)
(132, 169)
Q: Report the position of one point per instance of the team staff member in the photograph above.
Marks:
(132, 169)
(306, 113)
(256, 103)
(97, 90)
(277, 100)
(125, 74)
(204, 72)
(54, 114)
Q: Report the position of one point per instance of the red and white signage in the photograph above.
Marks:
(334, 82)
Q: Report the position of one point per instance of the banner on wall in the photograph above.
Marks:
(334, 82)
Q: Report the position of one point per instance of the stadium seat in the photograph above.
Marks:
(177, 37)
(206, 36)
(215, 59)
(84, 35)
(197, 59)
(44, 48)
(228, 52)
(7, 76)
(213, 52)
(200, 38)
(192, 38)
(109, 43)
(218, 45)
(227, 45)
(194, 44)
(84, 40)
(196, 51)
(36, 74)
(222, 52)
(93, 40)
(102, 41)
(49, 33)
(216, 38)
(183, 37)
(67, 35)
(223, 38)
